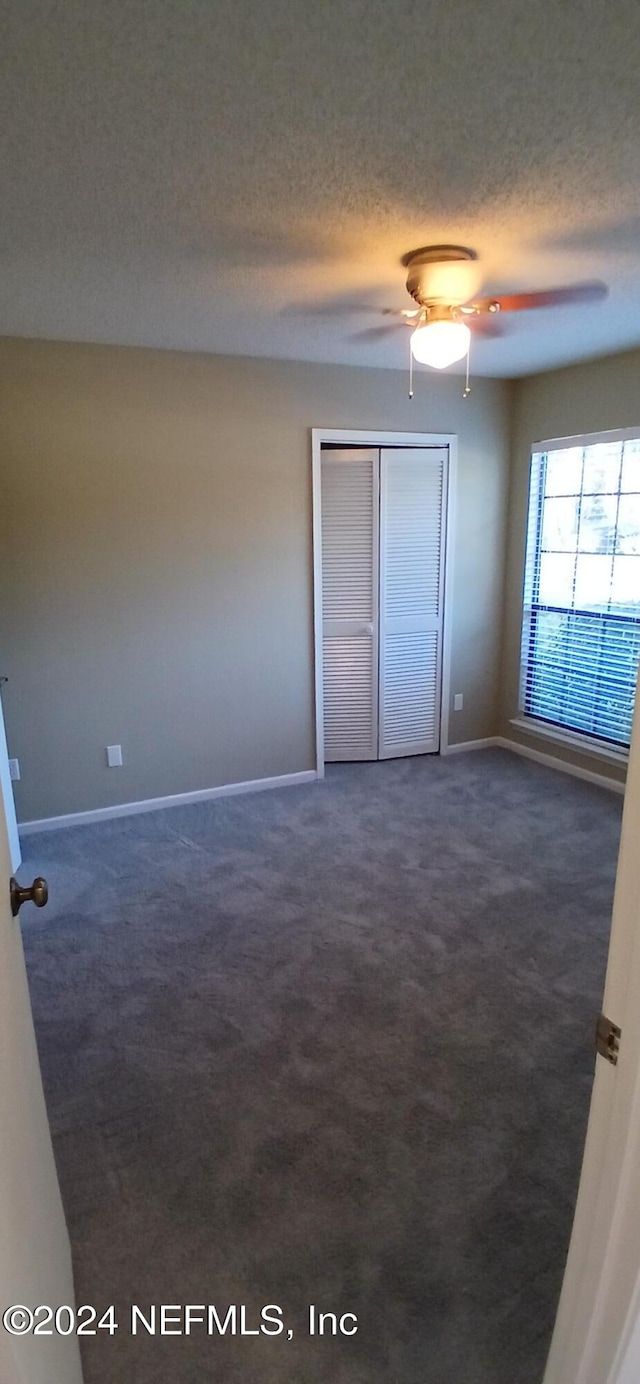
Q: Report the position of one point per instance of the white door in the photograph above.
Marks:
(6, 791)
(35, 1263)
(597, 1333)
(413, 487)
(350, 602)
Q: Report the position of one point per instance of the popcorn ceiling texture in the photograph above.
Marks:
(192, 174)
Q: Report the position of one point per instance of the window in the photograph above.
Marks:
(581, 627)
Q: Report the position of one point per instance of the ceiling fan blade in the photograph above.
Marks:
(376, 333)
(338, 306)
(407, 313)
(489, 326)
(588, 292)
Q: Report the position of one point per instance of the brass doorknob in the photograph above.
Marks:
(36, 893)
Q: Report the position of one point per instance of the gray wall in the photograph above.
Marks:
(592, 397)
(156, 578)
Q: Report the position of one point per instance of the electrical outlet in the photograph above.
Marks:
(14, 770)
(458, 701)
(114, 756)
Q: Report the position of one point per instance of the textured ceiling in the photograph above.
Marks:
(208, 174)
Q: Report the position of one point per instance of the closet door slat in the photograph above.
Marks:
(412, 520)
(350, 495)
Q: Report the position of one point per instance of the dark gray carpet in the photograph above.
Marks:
(328, 1045)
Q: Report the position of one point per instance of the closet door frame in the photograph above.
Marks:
(358, 438)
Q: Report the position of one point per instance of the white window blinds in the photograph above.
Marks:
(581, 626)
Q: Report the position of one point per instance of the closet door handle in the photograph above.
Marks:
(366, 629)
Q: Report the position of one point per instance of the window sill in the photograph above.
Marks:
(571, 741)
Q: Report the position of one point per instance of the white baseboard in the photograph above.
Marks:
(201, 795)
(552, 762)
(227, 790)
(464, 745)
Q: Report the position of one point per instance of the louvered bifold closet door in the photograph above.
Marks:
(350, 493)
(413, 487)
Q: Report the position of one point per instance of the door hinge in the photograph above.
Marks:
(607, 1039)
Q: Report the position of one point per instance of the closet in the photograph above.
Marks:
(383, 540)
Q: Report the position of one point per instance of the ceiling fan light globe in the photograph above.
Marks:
(440, 344)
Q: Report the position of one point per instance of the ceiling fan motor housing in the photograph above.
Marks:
(441, 274)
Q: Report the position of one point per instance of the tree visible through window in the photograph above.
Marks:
(581, 627)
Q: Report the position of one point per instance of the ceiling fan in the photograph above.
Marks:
(443, 281)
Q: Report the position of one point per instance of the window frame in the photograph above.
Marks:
(524, 721)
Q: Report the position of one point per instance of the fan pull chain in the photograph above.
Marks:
(410, 371)
(467, 387)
